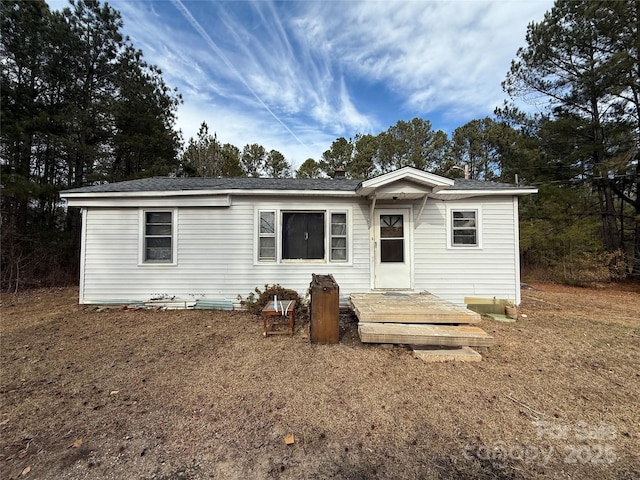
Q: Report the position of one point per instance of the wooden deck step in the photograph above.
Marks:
(409, 308)
(446, 354)
(414, 334)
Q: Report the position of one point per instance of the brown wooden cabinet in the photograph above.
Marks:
(324, 310)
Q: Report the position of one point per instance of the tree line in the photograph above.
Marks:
(81, 106)
(206, 156)
(482, 145)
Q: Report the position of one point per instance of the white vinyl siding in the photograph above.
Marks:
(212, 262)
(487, 270)
(216, 252)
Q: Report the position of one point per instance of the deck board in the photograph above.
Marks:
(414, 334)
(430, 354)
(409, 308)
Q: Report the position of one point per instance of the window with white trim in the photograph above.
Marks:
(464, 228)
(302, 235)
(158, 237)
(338, 237)
(267, 236)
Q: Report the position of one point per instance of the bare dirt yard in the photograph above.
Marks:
(162, 395)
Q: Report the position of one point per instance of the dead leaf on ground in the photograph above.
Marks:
(77, 443)
(25, 471)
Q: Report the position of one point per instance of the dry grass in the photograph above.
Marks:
(200, 394)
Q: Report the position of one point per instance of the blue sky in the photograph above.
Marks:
(295, 75)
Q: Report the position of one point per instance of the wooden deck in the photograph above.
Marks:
(421, 320)
(409, 308)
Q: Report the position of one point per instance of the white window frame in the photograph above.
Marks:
(450, 226)
(142, 262)
(328, 215)
(273, 235)
(331, 236)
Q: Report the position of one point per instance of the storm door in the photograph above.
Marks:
(392, 249)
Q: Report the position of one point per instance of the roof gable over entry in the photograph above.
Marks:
(404, 184)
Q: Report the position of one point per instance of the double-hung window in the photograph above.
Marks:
(464, 228)
(267, 236)
(158, 235)
(338, 237)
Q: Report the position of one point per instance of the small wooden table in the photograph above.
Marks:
(271, 317)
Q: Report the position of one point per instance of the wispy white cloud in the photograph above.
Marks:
(433, 54)
(232, 67)
(291, 75)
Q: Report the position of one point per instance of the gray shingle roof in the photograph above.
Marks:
(169, 184)
(464, 184)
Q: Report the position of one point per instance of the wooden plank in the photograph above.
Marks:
(409, 308)
(430, 354)
(487, 301)
(412, 334)
(487, 305)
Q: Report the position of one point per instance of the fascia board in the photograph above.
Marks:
(213, 198)
(217, 201)
(215, 193)
(478, 193)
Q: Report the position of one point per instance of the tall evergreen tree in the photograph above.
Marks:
(144, 114)
(231, 161)
(339, 155)
(412, 143)
(79, 105)
(252, 159)
(95, 42)
(577, 60)
(365, 155)
(204, 156)
(309, 169)
(26, 30)
(276, 166)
